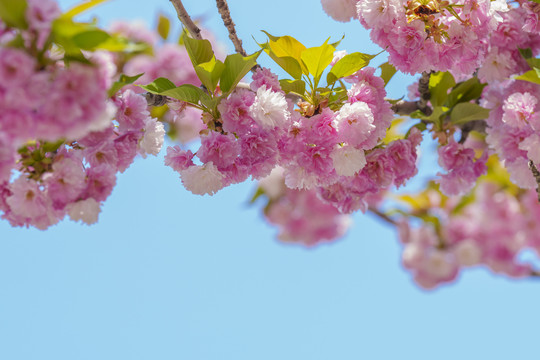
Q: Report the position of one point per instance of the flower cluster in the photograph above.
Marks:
(514, 127)
(62, 137)
(492, 231)
(459, 36)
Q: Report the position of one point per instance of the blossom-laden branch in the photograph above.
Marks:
(223, 9)
(184, 17)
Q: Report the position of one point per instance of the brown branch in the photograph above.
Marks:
(536, 175)
(183, 16)
(423, 89)
(382, 216)
(403, 107)
(223, 9)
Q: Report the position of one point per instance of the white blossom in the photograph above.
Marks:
(202, 179)
(348, 160)
(154, 135)
(270, 108)
(85, 210)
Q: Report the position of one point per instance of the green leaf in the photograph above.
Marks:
(317, 59)
(187, 92)
(199, 51)
(82, 7)
(236, 67)
(120, 44)
(465, 92)
(294, 86)
(209, 73)
(387, 72)
(12, 12)
(289, 64)
(533, 63)
(90, 39)
(285, 47)
(336, 44)
(526, 53)
(163, 26)
(536, 1)
(347, 65)
(530, 76)
(465, 112)
(121, 82)
(439, 83)
(159, 86)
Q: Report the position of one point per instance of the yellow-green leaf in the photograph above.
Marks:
(439, 83)
(236, 67)
(294, 86)
(199, 51)
(387, 72)
(78, 9)
(209, 73)
(530, 76)
(12, 13)
(163, 26)
(465, 112)
(316, 59)
(90, 39)
(347, 65)
(285, 47)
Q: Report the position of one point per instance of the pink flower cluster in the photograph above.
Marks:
(459, 36)
(80, 174)
(503, 58)
(300, 215)
(514, 127)
(62, 139)
(462, 168)
(337, 153)
(492, 231)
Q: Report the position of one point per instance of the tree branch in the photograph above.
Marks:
(536, 175)
(223, 9)
(423, 89)
(183, 16)
(382, 216)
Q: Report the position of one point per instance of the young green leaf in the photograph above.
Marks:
(90, 39)
(159, 86)
(121, 82)
(199, 51)
(465, 92)
(530, 76)
(82, 7)
(348, 65)
(294, 86)
(187, 92)
(439, 83)
(236, 67)
(12, 12)
(465, 112)
(316, 59)
(163, 26)
(285, 47)
(387, 72)
(209, 73)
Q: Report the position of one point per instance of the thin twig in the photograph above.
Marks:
(183, 16)
(536, 175)
(382, 216)
(223, 9)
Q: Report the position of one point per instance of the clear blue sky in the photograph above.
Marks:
(169, 275)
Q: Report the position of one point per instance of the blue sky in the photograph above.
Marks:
(169, 275)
